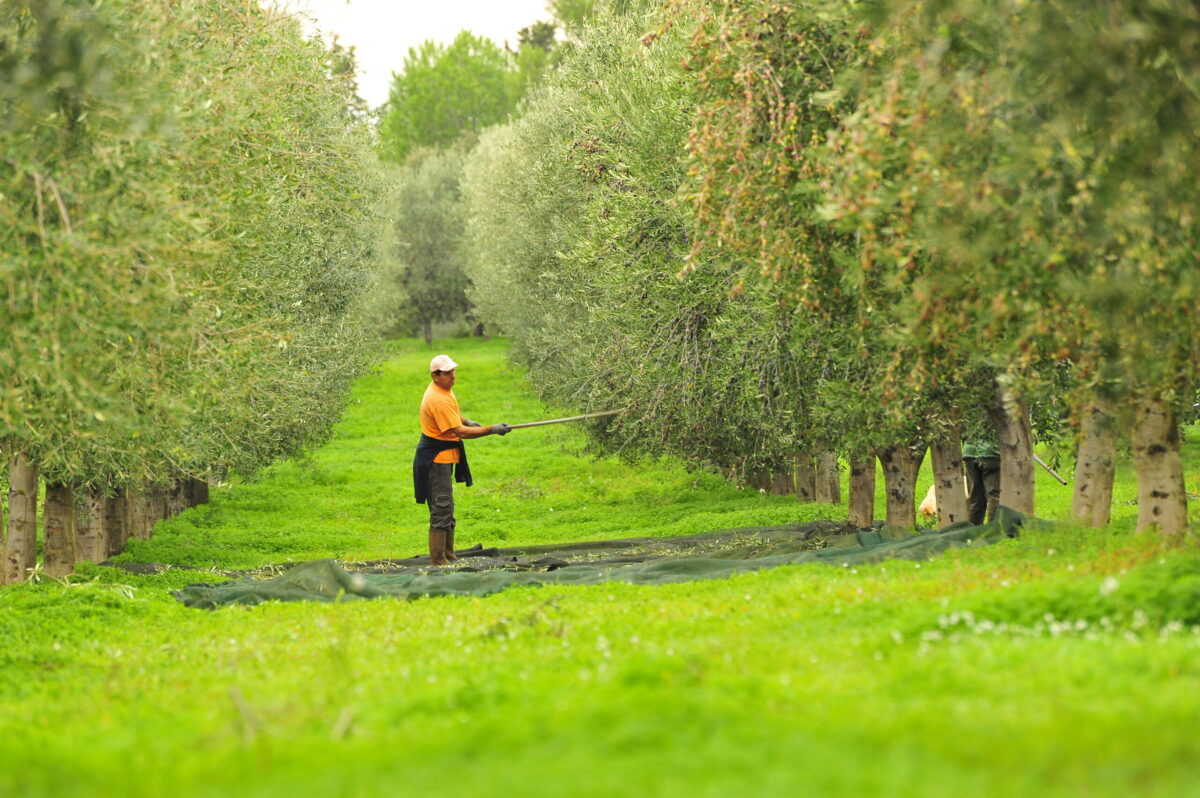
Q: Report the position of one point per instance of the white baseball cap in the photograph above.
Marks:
(442, 363)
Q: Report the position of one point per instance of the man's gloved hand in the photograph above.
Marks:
(501, 429)
(469, 423)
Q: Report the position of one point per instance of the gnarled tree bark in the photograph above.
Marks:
(58, 525)
(137, 511)
(770, 482)
(1095, 466)
(900, 464)
(20, 547)
(154, 509)
(1162, 497)
(197, 491)
(116, 523)
(806, 477)
(174, 499)
(829, 488)
(91, 536)
(862, 490)
(161, 495)
(948, 479)
(1010, 416)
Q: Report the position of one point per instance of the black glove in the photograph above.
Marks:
(501, 429)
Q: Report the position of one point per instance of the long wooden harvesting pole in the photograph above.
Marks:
(1050, 470)
(564, 420)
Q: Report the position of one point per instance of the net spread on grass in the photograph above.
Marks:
(643, 561)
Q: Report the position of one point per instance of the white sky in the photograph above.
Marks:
(383, 30)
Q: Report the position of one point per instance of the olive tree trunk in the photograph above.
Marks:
(177, 498)
(137, 509)
(116, 523)
(1095, 466)
(91, 533)
(156, 508)
(1162, 498)
(862, 490)
(146, 505)
(829, 488)
(776, 483)
(1011, 418)
(948, 479)
(20, 546)
(58, 526)
(161, 508)
(197, 491)
(806, 477)
(900, 464)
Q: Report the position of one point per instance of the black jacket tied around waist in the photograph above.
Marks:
(429, 448)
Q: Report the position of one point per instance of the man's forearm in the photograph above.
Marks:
(466, 432)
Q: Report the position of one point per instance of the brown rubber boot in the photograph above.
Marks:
(437, 547)
(450, 546)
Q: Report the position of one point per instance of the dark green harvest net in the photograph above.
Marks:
(641, 561)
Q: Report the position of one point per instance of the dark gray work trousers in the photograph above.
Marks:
(983, 487)
(441, 496)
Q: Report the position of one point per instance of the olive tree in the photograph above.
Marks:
(1042, 155)
(444, 91)
(768, 75)
(424, 248)
(185, 252)
(576, 246)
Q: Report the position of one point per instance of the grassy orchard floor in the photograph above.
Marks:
(353, 499)
(896, 679)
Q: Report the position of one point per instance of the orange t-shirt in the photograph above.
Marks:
(439, 413)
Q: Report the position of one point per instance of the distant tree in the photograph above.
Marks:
(340, 66)
(539, 34)
(575, 14)
(424, 249)
(443, 92)
(535, 56)
(572, 13)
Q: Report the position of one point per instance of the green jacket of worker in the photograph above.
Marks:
(981, 447)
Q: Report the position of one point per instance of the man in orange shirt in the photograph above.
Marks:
(441, 452)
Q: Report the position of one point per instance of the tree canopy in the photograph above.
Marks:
(185, 251)
(423, 250)
(442, 92)
(926, 213)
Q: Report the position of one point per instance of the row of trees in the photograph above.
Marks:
(440, 100)
(188, 194)
(769, 228)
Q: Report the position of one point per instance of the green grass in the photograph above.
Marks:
(353, 499)
(1064, 662)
